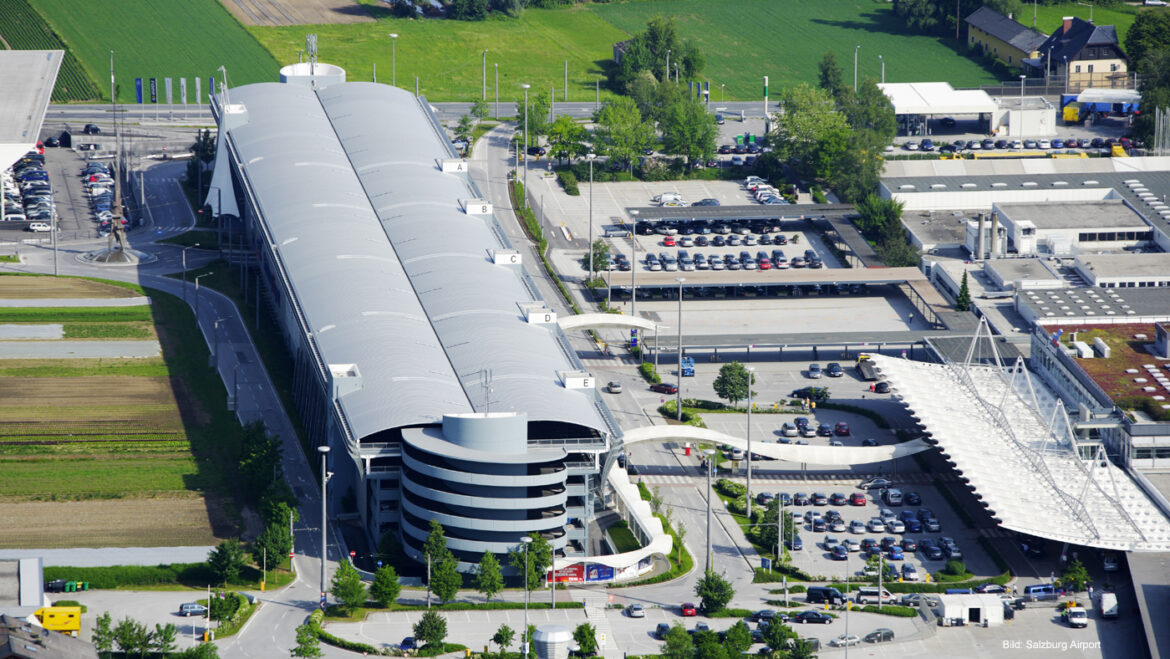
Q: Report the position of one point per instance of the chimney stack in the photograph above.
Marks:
(994, 233)
(982, 242)
(1067, 24)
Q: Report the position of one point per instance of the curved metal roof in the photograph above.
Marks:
(391, 274)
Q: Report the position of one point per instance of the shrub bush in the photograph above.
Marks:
(792, 588)
(892, 610)
(779, 572)
(729, 613)
(730, 488)
(955, 568)
(817, 195)
(649, 373)
(568, 181)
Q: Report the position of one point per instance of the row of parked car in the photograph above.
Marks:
(719, 240)
(686, 262)
(28, 194)
(99, 188)
(989, 144)
(701, 227)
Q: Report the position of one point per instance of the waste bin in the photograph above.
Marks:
(85, 585)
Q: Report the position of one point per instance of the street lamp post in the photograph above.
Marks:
(849, 603)
(324, 450)
(722, 98)
(525, 86)
(855, 49)
(590, 156)
(667, 78)
(1022, 77)
(393, 59)
(680, 281)
(710, 453)
(185, 269)
(883, 69)
(496, 66)
(751, 372)
(524, 634)
(485, 74)
(634, 274)
(197, 278)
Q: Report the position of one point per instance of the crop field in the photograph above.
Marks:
(23, 29)
(180, 521)
(119, 452)
(19, 287)
(446, 55)
(187, 39)
(745, 40)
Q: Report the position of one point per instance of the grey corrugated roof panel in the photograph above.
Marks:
(331, 242)
(472, 303)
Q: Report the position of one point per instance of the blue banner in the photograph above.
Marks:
(154, 90)
(138, 89)
(595, 572)
(210, 87)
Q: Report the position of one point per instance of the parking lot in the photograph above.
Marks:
(70, 200)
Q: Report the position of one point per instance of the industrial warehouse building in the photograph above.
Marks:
(424, 356)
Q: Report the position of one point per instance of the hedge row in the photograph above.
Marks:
(649, 373)
(730, 613)
(892, 610)
(315, 624)
(568, 181)
(118, 576)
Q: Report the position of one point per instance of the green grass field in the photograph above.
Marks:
(447, 55)
(745, 40)
(191, 38)
(23, 29)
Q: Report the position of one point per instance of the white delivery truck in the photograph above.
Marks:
(1107, 605)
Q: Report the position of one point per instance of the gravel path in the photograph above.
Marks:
(79, 349)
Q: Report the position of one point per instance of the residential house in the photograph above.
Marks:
(1007, 40)
(1090, 55)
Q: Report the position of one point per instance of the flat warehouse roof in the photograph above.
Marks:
(1106, 305)
(1126, 265)
(1104, 214)
(1013, 269)
(936, 98)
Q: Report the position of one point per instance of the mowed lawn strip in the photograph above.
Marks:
(186, 39)
(745, 40)
(59, 368)
(75, 314)
(447, 55)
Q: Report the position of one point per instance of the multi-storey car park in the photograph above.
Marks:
(423, 353)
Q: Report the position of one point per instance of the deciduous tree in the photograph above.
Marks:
(586, 637)
(431, 628)
(308, 644)
(348, 587)
(503, 637)
(445, 579)
(385, 589)
(738, 639)
(488, 579)
(714, 591)
(621, 133)
(539, 560)
(733, 382)
(226, 560)
(677, 644)
(566, 138)
(688, 130)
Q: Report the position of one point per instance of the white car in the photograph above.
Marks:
(1017, 144)
(895, 526)
(1044, 144)
(636, 611)
(910, 146)
(857, 526)
(876, 525)
(1077, 616)
(844, 640)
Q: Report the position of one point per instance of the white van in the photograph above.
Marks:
(870, 595)
(1107, 605)
(39, 227)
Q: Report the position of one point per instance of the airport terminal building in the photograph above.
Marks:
(423, 353)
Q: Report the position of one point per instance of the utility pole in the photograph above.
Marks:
(485, 74)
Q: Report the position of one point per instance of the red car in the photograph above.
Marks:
(857, 499)
(688, 610)
(765, 264)
(668, 241)
(664, 388)
(842, 429)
